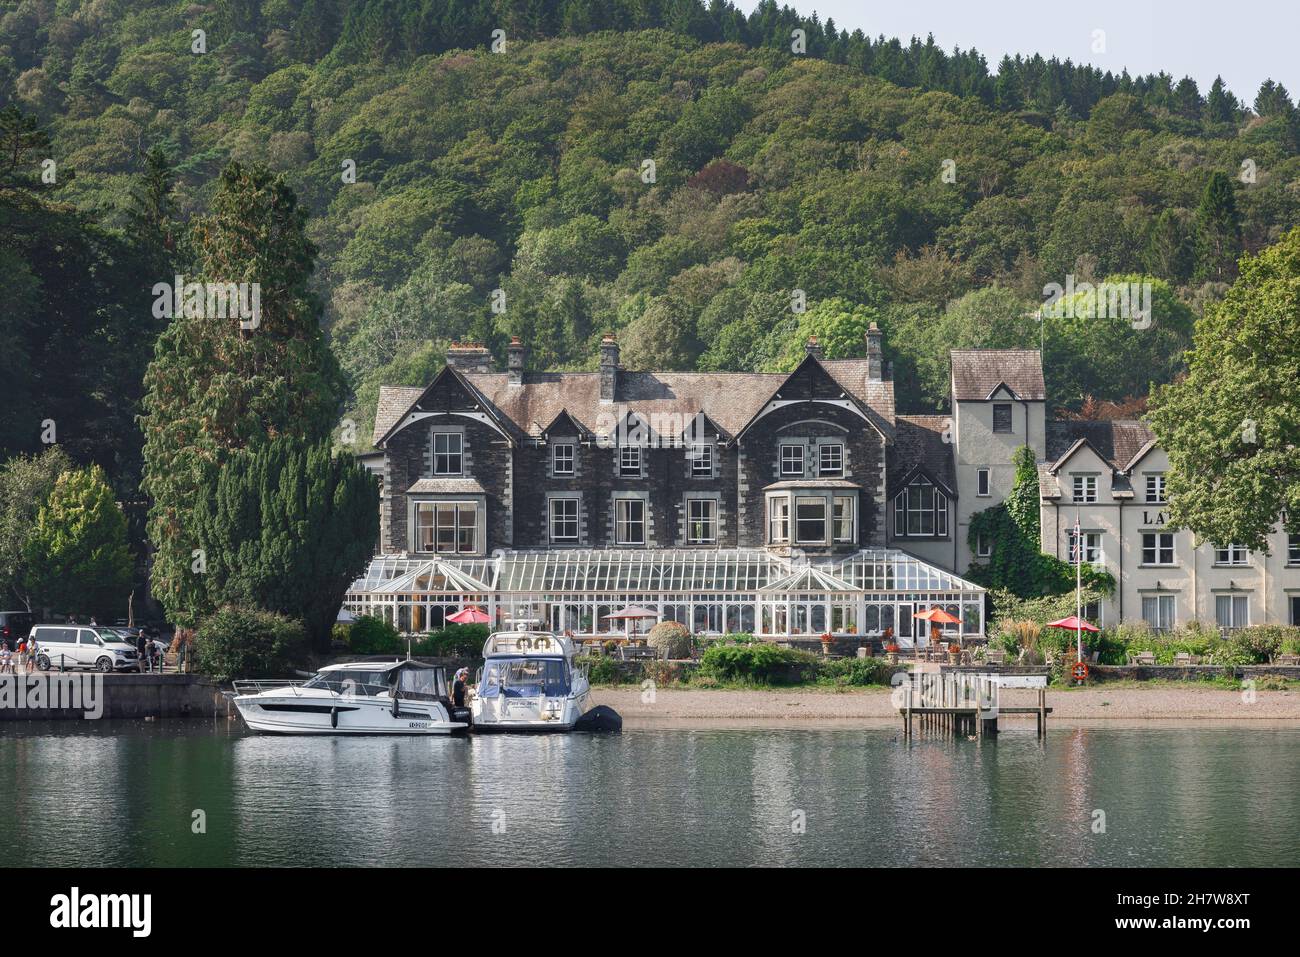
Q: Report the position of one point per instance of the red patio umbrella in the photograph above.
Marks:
(1073, 623)
(469, 616)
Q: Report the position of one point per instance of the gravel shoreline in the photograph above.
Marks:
(874, 704)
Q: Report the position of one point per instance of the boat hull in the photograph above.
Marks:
(291, 715)
(527, 715)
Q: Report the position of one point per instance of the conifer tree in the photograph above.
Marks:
(1218, 231)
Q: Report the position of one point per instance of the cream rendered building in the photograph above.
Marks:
(1110, 476)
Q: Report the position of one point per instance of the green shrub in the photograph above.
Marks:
(758, 663)
(454, 641)
(603, 671)
(671, 639)
(374, 636)
(248, 643)
(857, 672)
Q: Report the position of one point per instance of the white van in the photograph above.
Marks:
(80, 646)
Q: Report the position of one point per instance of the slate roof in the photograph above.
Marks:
(1117, 441)
(447, 486)
(729, 399)
(977, 372)
(919, 442)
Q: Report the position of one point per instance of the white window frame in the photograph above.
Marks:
(778, 519)
(836, 450)
(630, 461)
(566, 503)
(1164, 610)
(1293, 549)
(1238, 607)
(1084, 487)
(1158, 547)
(567, 451)
(706, 520)
(1155, 491)
(700, 455)
(983, 483)
(624, 522)
(905, 508)
(1232, 556)
(810, 500)
(442, 461)
(796, 454)
(1092, 553)
(433, 508)
(983, 546)
(846, 518)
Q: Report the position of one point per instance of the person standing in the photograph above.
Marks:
(458, 689)
(142, 650)
(32, 648)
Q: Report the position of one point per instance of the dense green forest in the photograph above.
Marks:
(670, 170)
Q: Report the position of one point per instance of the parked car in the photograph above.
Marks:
(81, 646)
(14, 627)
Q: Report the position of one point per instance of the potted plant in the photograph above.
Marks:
(954, 654)
(891, 649)
(827, 643)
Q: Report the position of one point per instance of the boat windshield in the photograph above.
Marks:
(351, 682)
(524, 677)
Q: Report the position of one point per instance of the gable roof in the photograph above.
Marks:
(1116, 441)
(977, 374)
(729, 399)
(920, 446)
(458, 380)
(849, 377)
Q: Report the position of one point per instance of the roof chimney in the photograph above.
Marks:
(608, 367)
(875, 354)
(515, 353)
(813, 347)
(469, 357)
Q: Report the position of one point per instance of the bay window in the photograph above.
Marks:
(844, 518)
(921, 510)
(810, 520)
(778, 521)
(447, 528)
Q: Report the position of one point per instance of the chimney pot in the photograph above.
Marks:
(813, 347)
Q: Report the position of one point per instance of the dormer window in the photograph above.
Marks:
(830, 459)
(921, 510)
(1156, 487)
(792, 460)
(1085, 488)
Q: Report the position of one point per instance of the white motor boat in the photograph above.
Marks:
(528, 682)
(367, 697)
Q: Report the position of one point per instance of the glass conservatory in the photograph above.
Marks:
(710, 591)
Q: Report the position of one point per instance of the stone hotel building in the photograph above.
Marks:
(780, 504)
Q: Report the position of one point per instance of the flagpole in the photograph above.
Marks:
(1078, 588)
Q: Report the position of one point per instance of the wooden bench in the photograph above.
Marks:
(637, 653)
(996, 656)
(1142, 658)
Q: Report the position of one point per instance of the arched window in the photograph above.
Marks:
(921, 510)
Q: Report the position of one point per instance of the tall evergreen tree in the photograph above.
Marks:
(1168, 252)
(1220, 105)
(287, 528)
(214, 388)
(1218, 231)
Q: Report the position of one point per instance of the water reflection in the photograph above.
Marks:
(127, 794)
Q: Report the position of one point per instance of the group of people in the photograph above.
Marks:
(26, 655)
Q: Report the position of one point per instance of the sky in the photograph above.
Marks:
(1245, 42)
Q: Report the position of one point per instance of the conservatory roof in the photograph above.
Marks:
(629, 571)
(810, 579)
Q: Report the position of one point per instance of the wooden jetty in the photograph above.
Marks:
(961, 704)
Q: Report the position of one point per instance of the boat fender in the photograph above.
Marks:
(600, 719)
(334, 716)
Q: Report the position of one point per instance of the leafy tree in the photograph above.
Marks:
(288, 528)
(25, 487)
(840, 327)
(1232, 425)
(1011, 529)
(77, 557)
(1218, 230)
(214, 388)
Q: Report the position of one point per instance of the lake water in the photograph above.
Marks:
(125, 794)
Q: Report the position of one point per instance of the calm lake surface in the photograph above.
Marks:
(124, 794)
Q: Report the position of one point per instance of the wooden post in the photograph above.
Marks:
(1042, 712)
